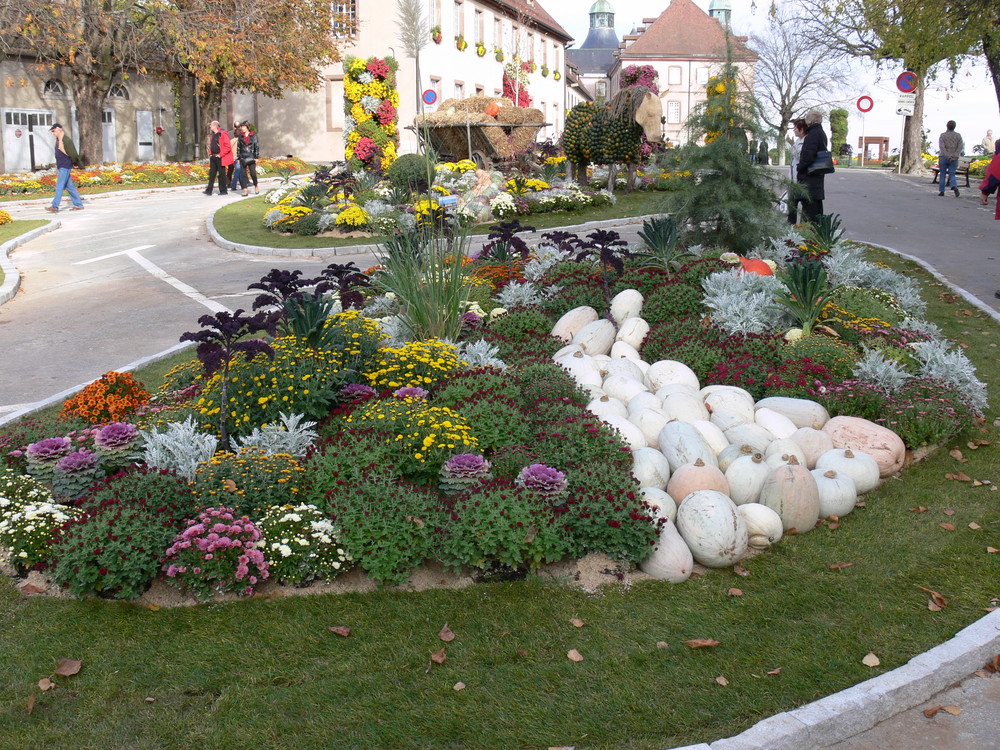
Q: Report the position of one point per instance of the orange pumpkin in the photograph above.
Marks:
(756, 265)
(492, 109)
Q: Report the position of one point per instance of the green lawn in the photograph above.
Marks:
(267, 673)
(240, 221)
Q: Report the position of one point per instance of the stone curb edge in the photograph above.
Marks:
(12, 277)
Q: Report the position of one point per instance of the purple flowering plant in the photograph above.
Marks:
(543, 479)
(217, 552)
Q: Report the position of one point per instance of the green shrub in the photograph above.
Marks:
(854, 303)
(523, 322)
(671, 300)
(410, 171)
(495, 420)
(248, 482)
(837, 356)
(927, 412)
(466, 384)
(546, 380)
(307, 225)
(160, 488)
(350, 456)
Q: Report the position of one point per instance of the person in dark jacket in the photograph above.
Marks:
(248, 149)
(220, 156)
(814, 142)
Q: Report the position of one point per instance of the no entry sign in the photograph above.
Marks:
(907, 82)
(865, 103)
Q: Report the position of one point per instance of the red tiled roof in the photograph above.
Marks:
(534, 12)
(685, 30)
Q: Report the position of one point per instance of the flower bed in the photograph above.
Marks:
(308, 440)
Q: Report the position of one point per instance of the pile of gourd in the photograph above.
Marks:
(728, 476)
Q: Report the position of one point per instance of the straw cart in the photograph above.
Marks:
(462, 129)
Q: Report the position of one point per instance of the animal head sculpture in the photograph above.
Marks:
(649, 115)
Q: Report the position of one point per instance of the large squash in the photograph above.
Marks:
(671, 559)
(571, 322)
(879, 442)
(713, 528)
(696, 476)
(791, 492)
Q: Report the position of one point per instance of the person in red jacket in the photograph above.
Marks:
(991, 180)
(220, 156)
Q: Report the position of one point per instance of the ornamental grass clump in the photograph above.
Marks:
(249, 481)
(463, 471)
(218, 552)
(300, 544)
(26, 531)
(112, 398)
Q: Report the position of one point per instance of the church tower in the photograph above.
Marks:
(595, 56)
(721, 11)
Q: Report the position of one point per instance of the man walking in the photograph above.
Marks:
(220, 156)
(950, 147)
(64, 180)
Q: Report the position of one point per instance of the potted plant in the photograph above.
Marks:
(436, 34)
(545, 71)
(556, 75)
(480, 49)
(498, 54)
(460, 43)
(532, 66)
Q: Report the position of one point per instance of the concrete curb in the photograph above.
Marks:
(12, 277)
(857, 709)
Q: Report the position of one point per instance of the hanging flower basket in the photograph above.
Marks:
(545, 71)
(556, 75)
(436, 35)
(532, 66)
(460, 43)
(480, 49)
(498, 54)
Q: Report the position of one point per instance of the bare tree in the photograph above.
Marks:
(794, 73)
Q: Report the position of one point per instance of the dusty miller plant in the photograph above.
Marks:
(480, 354)
(544, 256)
(847, 267)
(886, 375)
(180, 448)
(520, 295)
(744, 302)
(939, 361)
(919, 325)
(289, 435)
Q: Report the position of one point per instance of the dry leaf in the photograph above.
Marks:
(342, 630)
(936, 598)
(833, 526)
(981, 673)
(948, 512)
(722, 680)
(662, 644)
(458, 686)
(933, 606)
(992, 550)
(957, 455)
(31, 703)
(29, 588)
(701, 642)
(975, 526)
(740, 570)
(576, 622)
(150, 699)
(919, 509)
(735, 592)
(977, 483)
(958, 476)
(574, 655)
(775, 671)
(947, 526)
(522, 653)
(930, 713)
(446, 634)
(870, 660)
(68, 667)
(153, 607)
(860, 504)
(841, 566)
(952, 709)
(45, 684)
(439, 657)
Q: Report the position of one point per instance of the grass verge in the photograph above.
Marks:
(268, 673)
(240, 222)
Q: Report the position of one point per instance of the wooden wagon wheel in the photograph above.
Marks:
(481, 159)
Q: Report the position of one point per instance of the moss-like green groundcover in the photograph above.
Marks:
(269, 673)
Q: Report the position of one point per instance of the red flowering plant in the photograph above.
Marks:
(378, 68)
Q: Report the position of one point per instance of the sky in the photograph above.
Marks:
(970, 100)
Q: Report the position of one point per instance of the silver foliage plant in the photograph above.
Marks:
(520, 295)
(743, 303)
(480, 354)
(940, 361)
(543, 258)
(885, 374)
(845, 266)
(180, 447)
(290, 435)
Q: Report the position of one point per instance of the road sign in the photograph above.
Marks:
(429, 96)
(905, 104)
(907, 82)
(865, 103)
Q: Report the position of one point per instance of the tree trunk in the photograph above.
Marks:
(911, 158)
(991, 50)
(88, 94)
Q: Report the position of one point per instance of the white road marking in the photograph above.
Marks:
(154, 270)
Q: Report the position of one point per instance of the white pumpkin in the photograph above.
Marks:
(631, 435)
(582, 369)
(715, 437)
(790, 491)
(623, 387)
(763, 525)
(650, 468)
(713, 528)
(837, 493)
(801, 411)
(671, 558)
(777, 424)
(671, 388)
(593, 391)
(621, 350)
(566, 351)
(751, 434)
(607, 405)
(733, 451)
(596, 337)
(726, 420)
(729, 398)
(859, 466)
(685, 407)
(626, 304)
(657, 499)
(814, 443)
(623, 366)
(682, 444)
(650, 422)
(571, 322)
(785, 447)
(669, 371)
(746, 476)
(644, 400)
(633, 331)
(697, 476)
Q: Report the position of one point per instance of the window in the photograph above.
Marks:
(459, 90)
(674, 74)
(118, 91)
(480, 90)
(531, 47)
(602, 88)
(701, 75)
(345, 18)
(54, 87)
(479, 26)
(673, 112)
(498, 33)
(545, 52)
(459, 19)
(436, 85)
(107, 116)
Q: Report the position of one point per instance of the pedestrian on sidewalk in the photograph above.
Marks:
(794, 189)
(813, 142)
(220, 156)
(248, 151)
(950, 147)
(988, 144)
(236, 168)
(991, 181)
(64, 180)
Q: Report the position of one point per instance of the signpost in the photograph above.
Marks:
(865, 104)
(906, 82)
(429, 96)
(905, 104)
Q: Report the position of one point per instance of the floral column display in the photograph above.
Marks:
(371, 134)
(515, 82)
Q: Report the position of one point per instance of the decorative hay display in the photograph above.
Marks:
(465, 128)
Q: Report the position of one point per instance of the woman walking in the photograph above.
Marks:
(233, 173)
(248, 151)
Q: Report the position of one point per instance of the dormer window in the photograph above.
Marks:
(54, 87)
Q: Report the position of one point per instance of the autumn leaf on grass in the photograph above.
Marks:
(574, 655)
(735, 592)
(31, 703)
(919, 509)
(958, 476)
(342, 630)
(957, 455)
(937, 602)
(841, 566)
(992, 550)
(439, 657)
(975, 526)
(446, 634)
(740, 570)
(871, 660)
(45, 684)
(576, 622)
(68, 667)
(29, 588)
(947, 526)
(948, 512)
(775, 671)
(701, 642)
(722, 680)
(458, 686)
